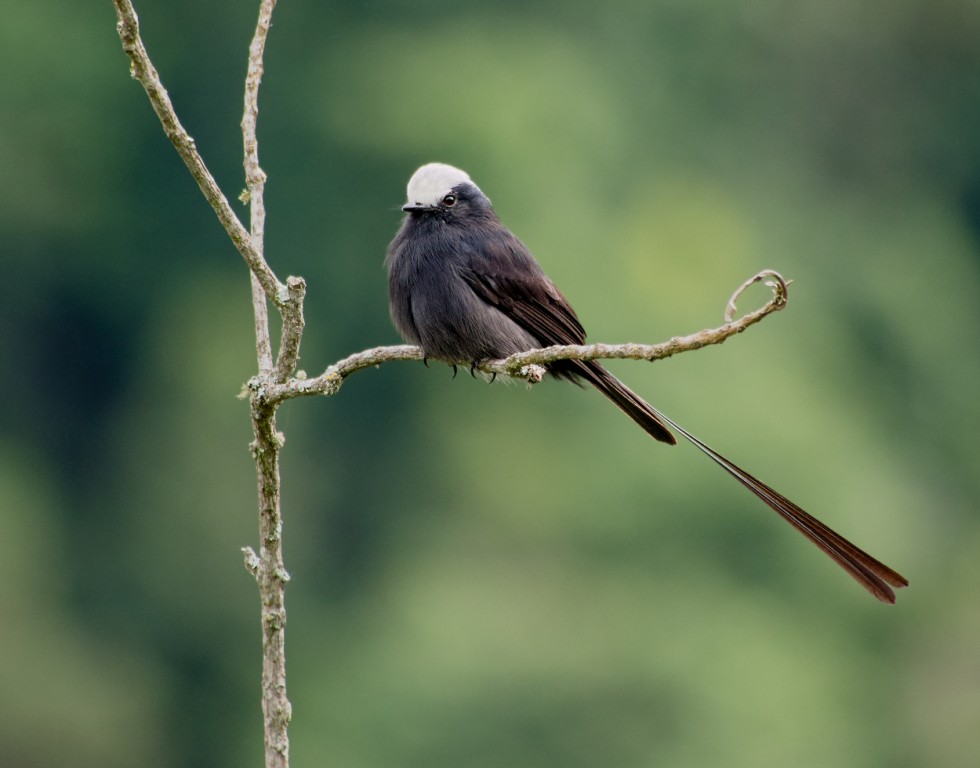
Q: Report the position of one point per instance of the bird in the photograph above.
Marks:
(465, 289)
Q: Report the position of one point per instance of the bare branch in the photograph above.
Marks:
(528, 365)
(780, 294)
(293, 323)
(268, 567)
(270, 573)
(142, 70)
(255, 179)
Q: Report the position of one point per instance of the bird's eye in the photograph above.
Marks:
(449, 200)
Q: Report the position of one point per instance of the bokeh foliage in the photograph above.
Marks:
(486, 576)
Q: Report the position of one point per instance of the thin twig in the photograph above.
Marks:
(528, 365)
(255, 181)
(142, 70)
(779, 286)
(512, 365)
(255, 178)
(268, 566)
(293, 324)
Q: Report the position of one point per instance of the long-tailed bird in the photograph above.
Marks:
(463, 288)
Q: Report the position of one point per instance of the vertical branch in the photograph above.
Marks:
(295, 288)
(255, 179)
(271, 575)
(268, 568)
(143, 71)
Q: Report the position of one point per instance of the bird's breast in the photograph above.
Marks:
(434, 306)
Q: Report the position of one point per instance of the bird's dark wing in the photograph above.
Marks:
(504, 274)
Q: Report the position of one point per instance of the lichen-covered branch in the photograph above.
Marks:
(267, 566)
(529, 365)
(292, 328)
(287, 299)
(271, 576)
(254, 193)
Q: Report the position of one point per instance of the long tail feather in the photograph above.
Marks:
(873, 575)
(869, 572)
(628, 401)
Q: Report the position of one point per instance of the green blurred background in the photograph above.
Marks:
(485, 575)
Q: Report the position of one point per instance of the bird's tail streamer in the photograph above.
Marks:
(870, 573)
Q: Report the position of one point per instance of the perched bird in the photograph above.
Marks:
(463, 288)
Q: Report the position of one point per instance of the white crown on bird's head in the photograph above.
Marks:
(433, 181)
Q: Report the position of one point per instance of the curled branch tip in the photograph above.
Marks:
(779, 286)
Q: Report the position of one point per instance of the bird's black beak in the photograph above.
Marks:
(414, 207)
